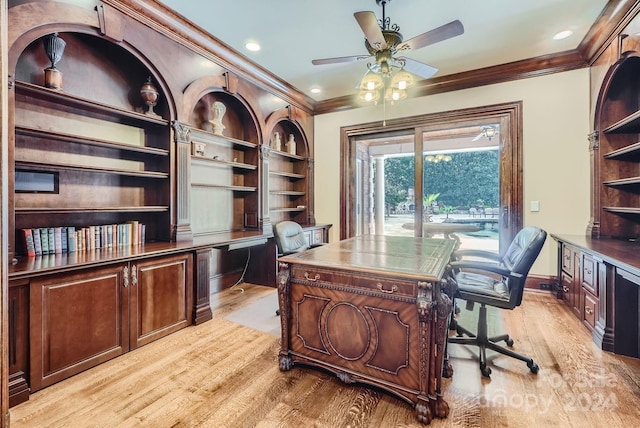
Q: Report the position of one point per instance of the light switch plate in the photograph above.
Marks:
(535, 206)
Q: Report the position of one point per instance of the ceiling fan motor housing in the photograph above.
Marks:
(391, 37)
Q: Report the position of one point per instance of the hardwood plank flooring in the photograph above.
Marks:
(223, 374)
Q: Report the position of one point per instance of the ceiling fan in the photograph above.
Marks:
(487, 131)
(384, 41)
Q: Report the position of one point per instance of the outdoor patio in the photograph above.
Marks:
(484, 239)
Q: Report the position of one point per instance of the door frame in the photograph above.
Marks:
(508, 115)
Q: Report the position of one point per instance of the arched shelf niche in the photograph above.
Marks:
(616, 154)
(224, 165)
(109, 154)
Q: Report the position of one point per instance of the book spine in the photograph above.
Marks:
(72, 244)
(36, 241)
(52, 240)
(143, 233)
(65, 240)
(44, 239)
(57, 240)
(70, 248)
(29, 246)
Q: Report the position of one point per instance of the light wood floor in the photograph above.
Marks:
(221, 374)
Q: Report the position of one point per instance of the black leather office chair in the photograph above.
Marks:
(289, 238)
(494, 281)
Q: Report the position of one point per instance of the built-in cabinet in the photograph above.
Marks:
(600, 283)
(142, 124)
(115, 309)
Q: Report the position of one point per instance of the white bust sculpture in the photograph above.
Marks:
(219, 110)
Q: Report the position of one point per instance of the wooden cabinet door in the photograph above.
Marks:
(161, 297)
(77, 321)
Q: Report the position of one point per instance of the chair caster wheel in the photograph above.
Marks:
(533, 367)
(509, 342)
(486, 371)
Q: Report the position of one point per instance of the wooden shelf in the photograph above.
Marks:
(287, 155)
(238, 165)
(284, 210)
(632, 181)
(79, 210)
(218, 186)
(631, 123)
(287, 174)
(62, 98)
(287, 192)
(631, 151)
(623, 210)
(48, 166)
(201, 136)
(59, 136)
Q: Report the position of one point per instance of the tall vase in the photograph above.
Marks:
(54, 48)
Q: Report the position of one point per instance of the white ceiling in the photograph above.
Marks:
(293, 32)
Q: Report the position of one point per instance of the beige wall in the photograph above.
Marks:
(556, 155)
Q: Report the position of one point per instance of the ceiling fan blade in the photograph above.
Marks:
(418, 68)
(444, 32)
(369, 25)
(339, 59)
(477, 137)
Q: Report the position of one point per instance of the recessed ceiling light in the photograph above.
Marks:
(563, 35)
(252, 46)
(316, 90)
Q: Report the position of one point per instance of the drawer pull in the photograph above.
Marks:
(381, 288)
(314, 279)
(588, 310)
(565, 289)
(587, 271)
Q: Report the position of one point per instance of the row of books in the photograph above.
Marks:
(66, 239)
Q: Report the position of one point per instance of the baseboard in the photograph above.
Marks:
(540, 282)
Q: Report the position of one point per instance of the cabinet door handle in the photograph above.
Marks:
(134, 275)
(314, 279)
(588, 310)
(381, 288)
(587, 271)
(565, 289)
(125, 274)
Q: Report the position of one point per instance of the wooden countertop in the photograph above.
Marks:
(409, 257)
(624, 254)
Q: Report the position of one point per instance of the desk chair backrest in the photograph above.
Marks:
(289, 237)
(521, 255)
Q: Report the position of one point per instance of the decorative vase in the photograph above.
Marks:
(149, 95)
(54, 48)
(277, 143)
(291, 145)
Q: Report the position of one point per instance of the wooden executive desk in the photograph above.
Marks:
(370, 309)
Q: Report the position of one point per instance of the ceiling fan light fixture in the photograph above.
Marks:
(371, 81)
(369, 96)
(489, 132)
(402, 80)
(394, 94)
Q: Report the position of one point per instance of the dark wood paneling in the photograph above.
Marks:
(77, 321)
(161, 299)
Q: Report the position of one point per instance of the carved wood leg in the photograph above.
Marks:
(284, 302)
(423, 410)
(442, 315)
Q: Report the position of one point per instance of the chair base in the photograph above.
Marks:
(483, 342)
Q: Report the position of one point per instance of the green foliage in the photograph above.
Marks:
(469, 179)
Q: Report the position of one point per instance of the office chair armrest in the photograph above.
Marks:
(476, 265)
(461, 254)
